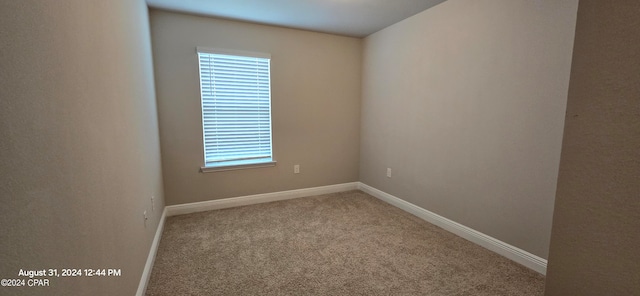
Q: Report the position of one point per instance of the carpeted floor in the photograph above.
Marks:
(347, 243)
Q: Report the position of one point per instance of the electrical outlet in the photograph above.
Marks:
(153, 206)
(388, 172)
(296, 169)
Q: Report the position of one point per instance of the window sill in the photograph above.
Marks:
(237, 167)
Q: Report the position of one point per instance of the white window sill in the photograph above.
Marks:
(223, 168)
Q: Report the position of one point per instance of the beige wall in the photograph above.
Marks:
(315, 106)
(595, 239)
(465, 102)
(79, 148)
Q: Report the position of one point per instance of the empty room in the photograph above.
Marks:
(321, 147)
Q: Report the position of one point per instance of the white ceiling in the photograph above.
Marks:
(357, 18)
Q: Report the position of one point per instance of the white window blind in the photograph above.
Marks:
(236, 107)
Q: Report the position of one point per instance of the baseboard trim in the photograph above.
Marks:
(182, 209)
(151, 258)
(515, 254)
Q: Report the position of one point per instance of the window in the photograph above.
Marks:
(235, 91)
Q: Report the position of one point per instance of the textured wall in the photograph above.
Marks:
(315, 106)
(596, 224)
(79, 148)
(465, 102)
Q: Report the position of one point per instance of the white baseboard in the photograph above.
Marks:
(518, 255)
(256, 199)
(146, 273)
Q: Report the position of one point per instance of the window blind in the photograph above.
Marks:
(236, 107)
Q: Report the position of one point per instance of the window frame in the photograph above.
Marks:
(234, 164)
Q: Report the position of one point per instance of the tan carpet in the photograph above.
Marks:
(347, 243)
